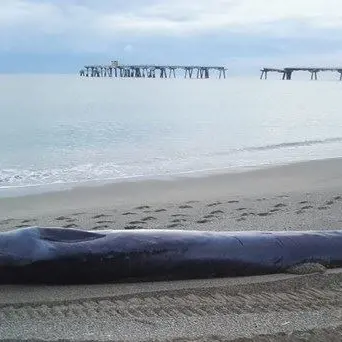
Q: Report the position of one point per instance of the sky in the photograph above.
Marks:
(61, 36)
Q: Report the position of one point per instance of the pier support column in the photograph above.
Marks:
(222, 72)
(137, 72)
(314, 75)
(172, 72)
(163, 73)
(185, 72)
(264, 74)
(152, 73)
(206, 73)
(190, 72)
(287, 75)
(340, 72)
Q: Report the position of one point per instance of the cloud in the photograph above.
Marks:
(168, 17)
(177, 27)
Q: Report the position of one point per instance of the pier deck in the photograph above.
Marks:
(152, 71)
(288, 71)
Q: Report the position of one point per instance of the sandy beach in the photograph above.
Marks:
(300, 196)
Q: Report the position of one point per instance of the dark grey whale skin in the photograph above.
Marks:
(70, 256)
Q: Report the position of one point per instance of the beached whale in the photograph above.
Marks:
(66, 256)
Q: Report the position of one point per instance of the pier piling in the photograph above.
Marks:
(288, 72)
(151, 71)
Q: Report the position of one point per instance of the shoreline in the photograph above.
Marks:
(300, 196)
(41, 189)
(316, 175)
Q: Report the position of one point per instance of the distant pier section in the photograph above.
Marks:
(286, 73)
(152, 71)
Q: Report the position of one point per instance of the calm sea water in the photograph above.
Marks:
(60, 130)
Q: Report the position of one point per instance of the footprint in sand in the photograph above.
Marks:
(303, 202)
(323, 208)
(178, 215)
(142, 207)
(28, 221)
(159, 210)
(22, 226)
(329, 202)
(71, 225)
(128, 213)
(338, 198)
(148, 218)
(217, 212)
(263, 214)
(214, 204)
(133, 227)
(241, 219)
(209, 216)
(299, 211)
(186, 206)
(137, 222)
(62, 218)
(280, 205)
(240, 209)
(104, 222)
(191, 202)
(307, 207)
(100, 216)
(274, 210)
(174, 225)
(178, 220)
(203, 221)
(233, 201)
(103, 226)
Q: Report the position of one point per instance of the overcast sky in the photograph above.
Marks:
(63, 35)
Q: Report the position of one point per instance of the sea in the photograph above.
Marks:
(62, 131)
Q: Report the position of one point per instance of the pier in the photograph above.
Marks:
(152, 71)
(288, 72)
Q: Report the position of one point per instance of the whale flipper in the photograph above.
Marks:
(67, 235)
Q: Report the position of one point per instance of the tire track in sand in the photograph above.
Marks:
(177, 305)
(325, 334)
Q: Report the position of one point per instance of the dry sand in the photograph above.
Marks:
(303, 196)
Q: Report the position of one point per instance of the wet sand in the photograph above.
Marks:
(302, 196)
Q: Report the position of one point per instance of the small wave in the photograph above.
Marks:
(294, 144)
(279, 146)
(165, 165)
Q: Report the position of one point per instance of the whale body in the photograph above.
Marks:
(72, 256)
